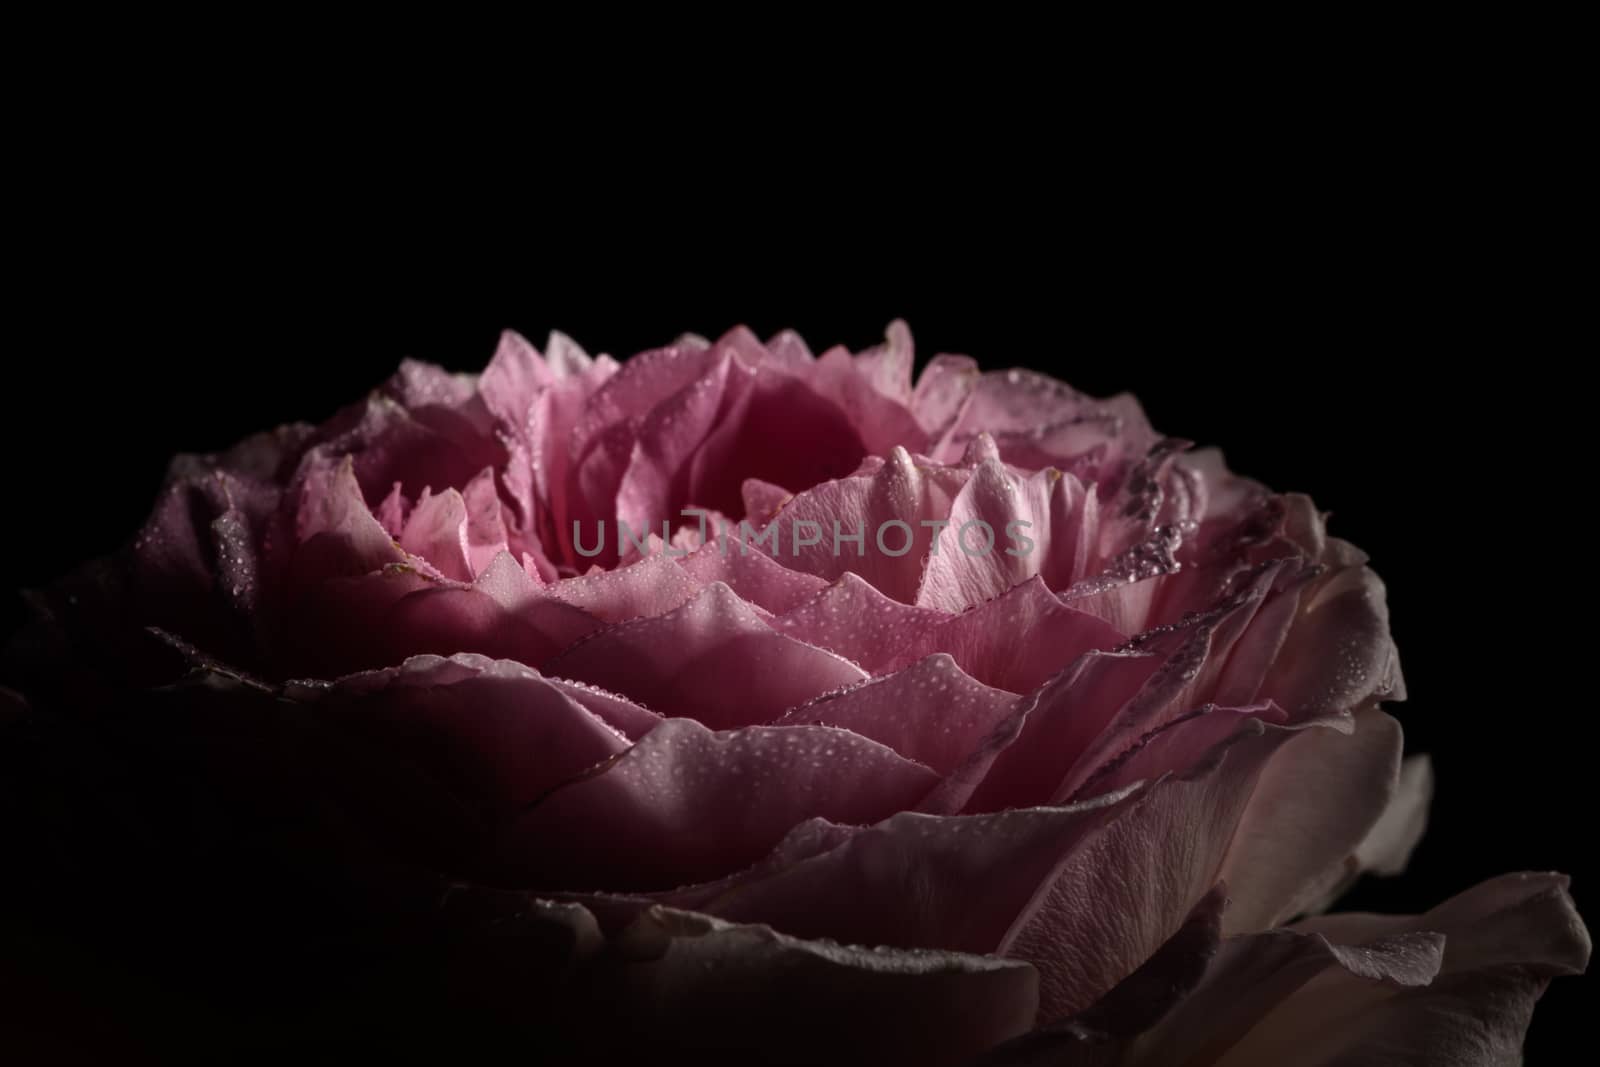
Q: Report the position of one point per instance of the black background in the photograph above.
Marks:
(1384, 339)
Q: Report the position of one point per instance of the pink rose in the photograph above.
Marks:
(737, 699)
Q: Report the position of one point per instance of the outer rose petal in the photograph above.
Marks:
(490, 730)
(1182, 830)
(1199, 994)
(1388, 845)
(377, 620)
(686, 804)
(1504, 940)
(748, 992)
(1315, 803)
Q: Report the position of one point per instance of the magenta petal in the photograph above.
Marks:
(737, 992)
(853, 619)
(931, 712)
(686, 804)
(665, 662)
(1016, 641)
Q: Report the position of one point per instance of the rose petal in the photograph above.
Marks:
(900, 491)
(942, 391)
(653, 586)
(931, 712)
(754, 575)
(754, 995)
(853, 619)
(1180, 828)
(1316, 801)
(1504, 941)
(492, 730)
(666, 662)
(686, 804)
(1015, 641)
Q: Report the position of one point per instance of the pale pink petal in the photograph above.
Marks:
(484, 531)
(1015, 641)
(653, 586)
(754, 575)
(942, 391)
(1024, 410)
(886, 368)
(337, 533)
(515, 375)
(762, 500)
(853, 619)
(391, 514)
(1024, 760)
(617, 711)
(973, 559)
(882, 422)
(931, 712)
(900, 491)
(653, 486)
(667, 661)
(437, 532)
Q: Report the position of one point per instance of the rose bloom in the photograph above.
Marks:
(883, 800)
